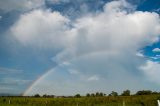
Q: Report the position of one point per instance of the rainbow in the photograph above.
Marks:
(37, 81)
(25, 93)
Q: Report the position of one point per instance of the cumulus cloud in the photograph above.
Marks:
(156, 50)
(104, 44)
(42, 28)
(22, 5)
(104, 31)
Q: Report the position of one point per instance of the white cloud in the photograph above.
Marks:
(46, 28)
(116, 6)
(139, 54)
(93, 78)
(104, 31)
(101, 44)
(151, 70)
(58, 1)
(41, 28)
(156, 50)
(73, 71)
(22, 5)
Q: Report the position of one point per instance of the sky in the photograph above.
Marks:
(65, 47)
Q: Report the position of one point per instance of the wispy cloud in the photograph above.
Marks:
(13, 81)
(157, 10)
(4, 70)
(23, 5)
(93, 78)
(139, 54)
(73, 71)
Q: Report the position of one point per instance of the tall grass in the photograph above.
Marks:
(144, 100)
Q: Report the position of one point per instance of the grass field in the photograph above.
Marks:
(144, 100)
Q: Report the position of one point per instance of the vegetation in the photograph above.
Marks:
(126, 93)
(113, 93)
(77, 96)
(141, 98)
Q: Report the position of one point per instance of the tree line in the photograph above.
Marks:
(101, 94)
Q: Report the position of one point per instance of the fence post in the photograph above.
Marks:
(9, 102)
(158, 102)
(124, 103)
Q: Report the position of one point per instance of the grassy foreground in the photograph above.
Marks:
(144, 100)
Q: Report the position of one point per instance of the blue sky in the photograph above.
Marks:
(65, 47)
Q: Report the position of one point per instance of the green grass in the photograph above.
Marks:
(145, 100)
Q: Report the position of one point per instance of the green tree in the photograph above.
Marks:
(97, 93)
(144, 92)
(93, 95)
(126, 93)
(37, 95)
(77, 96)
(88, 95)
(45, 95)
(101, 94)
(113, 93)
